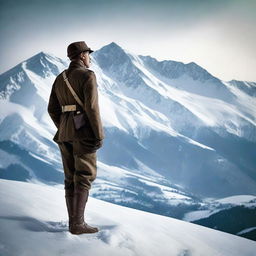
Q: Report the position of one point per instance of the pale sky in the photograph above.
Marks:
(219, 35)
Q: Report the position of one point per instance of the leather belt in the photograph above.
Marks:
(67, 108)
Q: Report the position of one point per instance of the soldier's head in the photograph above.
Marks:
(79, 51)
(84, 57)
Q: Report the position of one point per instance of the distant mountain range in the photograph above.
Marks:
(176, 136)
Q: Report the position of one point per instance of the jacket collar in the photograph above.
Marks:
(76, 64)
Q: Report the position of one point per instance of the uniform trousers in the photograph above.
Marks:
(80, 168)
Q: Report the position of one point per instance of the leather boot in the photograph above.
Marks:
(69, 195)
(79, 226)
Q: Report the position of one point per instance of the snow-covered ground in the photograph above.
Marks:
(238, 200)
(34, 222)
(215, 206)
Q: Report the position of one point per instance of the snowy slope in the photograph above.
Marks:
(215, 206)
(34, 222)
(235, 215)
(220, 204)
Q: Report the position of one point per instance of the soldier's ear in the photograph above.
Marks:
(81, 55)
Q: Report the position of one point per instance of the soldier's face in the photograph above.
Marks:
(86, 59)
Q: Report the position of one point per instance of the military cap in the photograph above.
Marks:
(76, 48)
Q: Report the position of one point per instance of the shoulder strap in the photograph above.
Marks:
(71, 89)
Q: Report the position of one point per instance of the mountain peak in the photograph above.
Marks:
(45, 54)
(199, 73)
(43, 63)
(41, 55)
(111, 48)
(114, 44)
(192, 63)
(111, 55)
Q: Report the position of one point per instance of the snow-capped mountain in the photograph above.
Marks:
(200, 130)
(175, 134)
(34, 225)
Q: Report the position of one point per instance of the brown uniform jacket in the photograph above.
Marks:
(84, 84)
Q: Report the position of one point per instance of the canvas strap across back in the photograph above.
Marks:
(71, 89)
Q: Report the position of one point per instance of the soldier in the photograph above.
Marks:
(77, 146)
